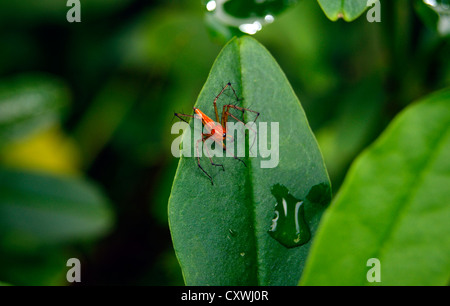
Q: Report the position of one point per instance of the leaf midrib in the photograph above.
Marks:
(249, 180)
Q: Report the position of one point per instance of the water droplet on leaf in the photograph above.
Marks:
(211, 5)
(288, 225)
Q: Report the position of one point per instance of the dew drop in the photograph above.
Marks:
(211, 5)
(269, 18)
(250, 28)
(288, 225)
(440, 4)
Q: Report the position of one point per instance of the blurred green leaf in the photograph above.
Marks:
(159, 38)
(118, 96)
(220, 232)
(339, 140)
(252, 8)
(40, 267)
(429, 16)
(37, 209)
(30, 103)
(29, 11)
(392, 206)
(228, 18)
(4, 284)
(436, 14)
(349, 10)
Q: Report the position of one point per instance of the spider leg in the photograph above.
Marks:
(227, 113)
(217, 97)
(242, 109)
(183, 115)
(198, 162)
(205, 137)
(234, 156)
(229, 84)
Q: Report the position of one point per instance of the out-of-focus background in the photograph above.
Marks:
(86, 109)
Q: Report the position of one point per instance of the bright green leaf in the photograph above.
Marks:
(221, 232)
(41, 209)
(349, 10)
(393, 206)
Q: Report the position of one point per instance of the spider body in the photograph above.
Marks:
(216, 130)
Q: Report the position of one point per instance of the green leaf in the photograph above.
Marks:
(349, 10)
(220, 232)
(28, 103)
(392, 206)
(38, 209)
